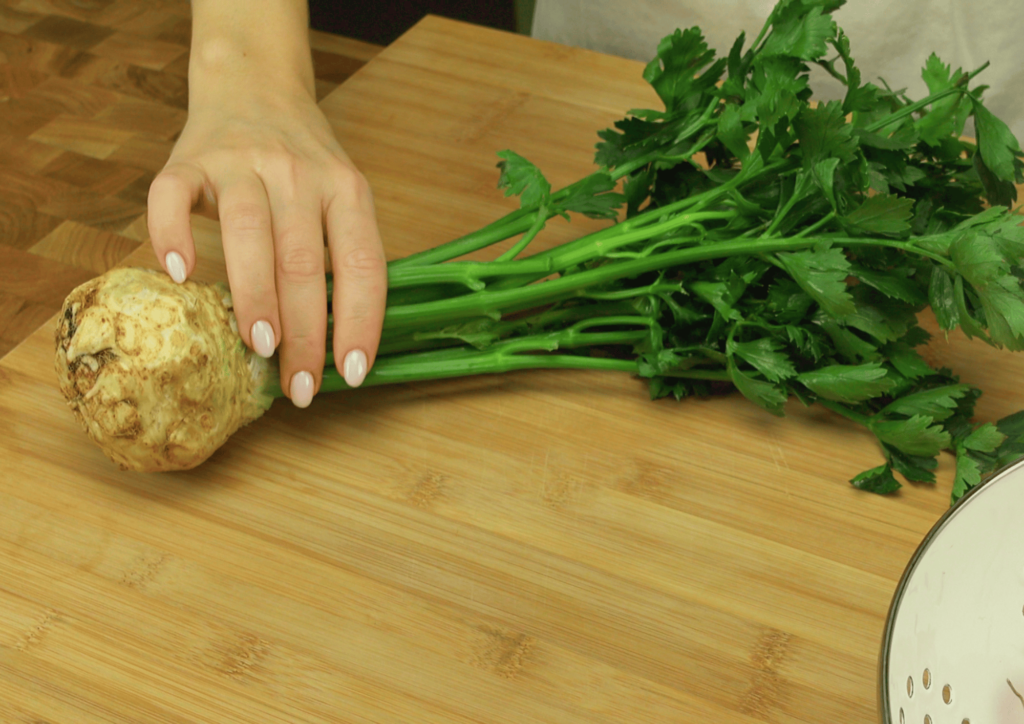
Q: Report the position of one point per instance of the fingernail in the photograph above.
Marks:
(302, 389)
(263, 338)
(355, 368)
(175, 266)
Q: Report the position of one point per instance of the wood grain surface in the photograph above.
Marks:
(535, 547)
(93, 94)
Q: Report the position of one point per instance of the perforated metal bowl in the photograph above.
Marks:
(953, 647)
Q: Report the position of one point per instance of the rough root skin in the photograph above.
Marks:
(155, 371)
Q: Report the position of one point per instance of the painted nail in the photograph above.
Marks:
(302, 389)
(175, 266)
(355, 368)
(263, 338)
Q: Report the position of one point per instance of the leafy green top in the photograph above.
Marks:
(801, 239)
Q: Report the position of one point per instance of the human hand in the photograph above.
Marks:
(261, 155)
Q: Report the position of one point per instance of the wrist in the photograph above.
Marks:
(262, 45)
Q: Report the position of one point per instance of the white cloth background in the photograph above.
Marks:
(888, 38)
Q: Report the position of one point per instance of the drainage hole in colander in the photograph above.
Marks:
(927, 719)
(947, 694)
(926, 678)
(902, 720)
(910, 686)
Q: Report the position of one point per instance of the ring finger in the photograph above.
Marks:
(302, 290)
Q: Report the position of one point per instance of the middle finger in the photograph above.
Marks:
(249, 256)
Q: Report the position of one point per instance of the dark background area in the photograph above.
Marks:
(382, 21)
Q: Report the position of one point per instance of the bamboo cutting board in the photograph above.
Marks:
(538, 547)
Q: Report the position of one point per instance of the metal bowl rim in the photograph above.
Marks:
(883, 658)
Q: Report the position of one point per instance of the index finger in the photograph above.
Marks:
(173, 194)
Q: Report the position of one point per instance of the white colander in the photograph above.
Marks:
(953, 649)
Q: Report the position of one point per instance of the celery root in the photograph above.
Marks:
(757, 242)
(155, 371)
